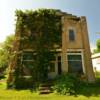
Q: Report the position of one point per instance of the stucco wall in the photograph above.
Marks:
(81, 43)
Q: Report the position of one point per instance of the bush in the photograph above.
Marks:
(24, 83)
(67, 84)
(2, 73)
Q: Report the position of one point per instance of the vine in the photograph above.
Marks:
(41, 31)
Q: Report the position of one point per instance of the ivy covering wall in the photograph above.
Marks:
(40, 32)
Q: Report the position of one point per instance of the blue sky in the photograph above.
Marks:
(88, 8)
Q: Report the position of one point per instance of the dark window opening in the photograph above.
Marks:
(75, 64)
(27, 67)
(71, 35)
(28, 56)
(59, 65)
(52, 67)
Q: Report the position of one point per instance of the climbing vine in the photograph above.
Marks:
(40, 31)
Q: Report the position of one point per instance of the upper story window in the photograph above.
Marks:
(71, 35)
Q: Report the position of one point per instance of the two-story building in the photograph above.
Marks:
(74, 56)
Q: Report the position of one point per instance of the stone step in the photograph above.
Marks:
(45, 89)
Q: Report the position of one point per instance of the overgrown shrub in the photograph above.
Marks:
(24, 83)
(2, 74)
(39, 31)
(67, 84)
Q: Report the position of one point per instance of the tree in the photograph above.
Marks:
(5, 52)
(97, 50)
(98, 45)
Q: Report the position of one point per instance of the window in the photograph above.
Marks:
(27, 68)
(28, 55)
(75, 63)
(71, 35)
(27, 62)
(59, 65)
(52, 67)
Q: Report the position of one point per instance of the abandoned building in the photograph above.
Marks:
(74, 54)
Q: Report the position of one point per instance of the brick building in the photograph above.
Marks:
(74, 56)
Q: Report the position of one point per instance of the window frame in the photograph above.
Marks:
(82, 58)
(74, 31)
(25, 53)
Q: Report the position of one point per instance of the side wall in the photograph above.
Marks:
(81, 43)
(87, 53)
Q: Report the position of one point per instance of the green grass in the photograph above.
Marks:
(2, 85)
(27, 95)
(90, 92)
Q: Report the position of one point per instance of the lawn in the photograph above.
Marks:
(27, 95)
(92, 92)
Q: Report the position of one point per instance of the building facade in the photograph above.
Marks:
(74, 56)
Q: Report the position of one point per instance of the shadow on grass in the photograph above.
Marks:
(87, 90)
(90, 89)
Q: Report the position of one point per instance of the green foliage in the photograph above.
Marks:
(24, 83)
(27, 95)
(40, 24)
(98, 44)
(67, 84)
(5, 53)
(39, 30)
(97, 50)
